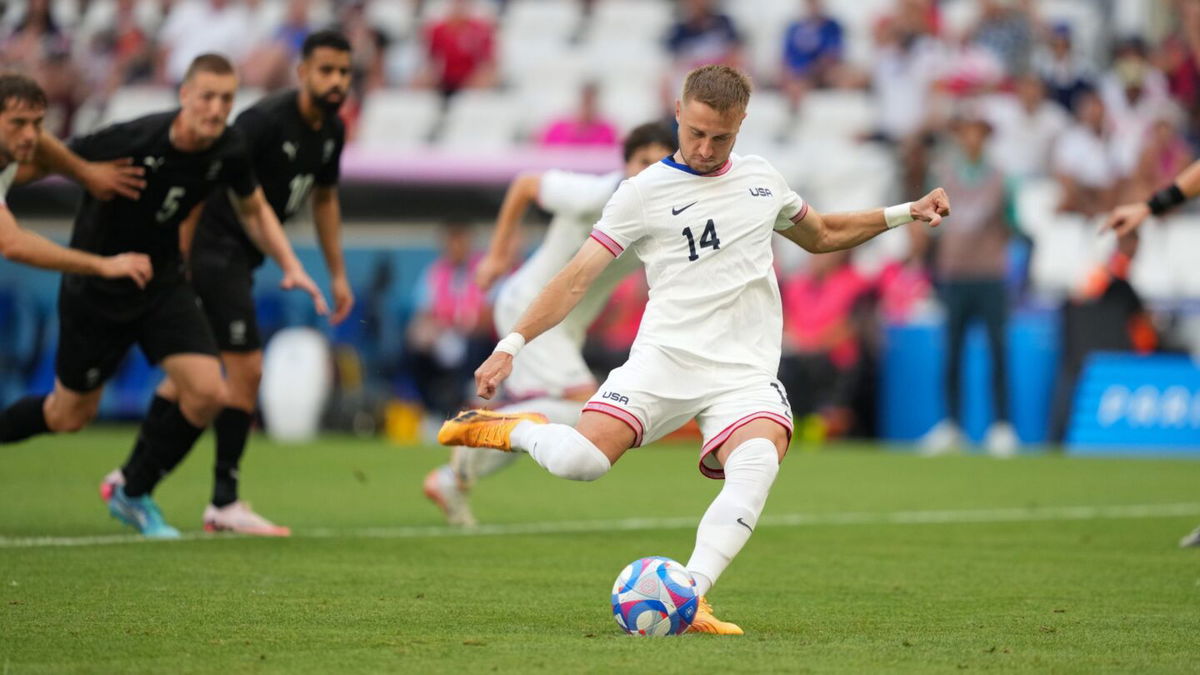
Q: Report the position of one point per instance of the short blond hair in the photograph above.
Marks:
(719, 87)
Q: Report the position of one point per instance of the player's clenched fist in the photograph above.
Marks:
(136, 266)
(932, 207)
(493, 371)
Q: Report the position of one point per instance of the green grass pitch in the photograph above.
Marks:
(865, 561)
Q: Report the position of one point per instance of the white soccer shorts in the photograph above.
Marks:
(656, 392)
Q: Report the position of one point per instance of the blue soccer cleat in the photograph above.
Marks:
(141, 513)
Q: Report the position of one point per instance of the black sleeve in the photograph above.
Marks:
(236, 170)
(111, 142)
(331, 170)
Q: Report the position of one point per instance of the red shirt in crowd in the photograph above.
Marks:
(458, 47)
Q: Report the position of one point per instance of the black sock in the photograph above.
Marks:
(23, 419)
(167, 439)
(158, 407)
(232, 427)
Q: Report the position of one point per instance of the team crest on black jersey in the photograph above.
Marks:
(327, 152)
(154, 163)
(289, 149)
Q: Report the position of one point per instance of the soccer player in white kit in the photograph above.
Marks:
(550, 376)
(709, 343)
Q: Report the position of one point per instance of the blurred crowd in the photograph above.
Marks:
(983, 97)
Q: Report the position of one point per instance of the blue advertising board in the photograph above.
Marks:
(1127, 404)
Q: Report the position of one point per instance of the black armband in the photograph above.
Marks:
(1166, 199)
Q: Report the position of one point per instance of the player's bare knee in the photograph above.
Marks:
(66, 419)
(206, 397)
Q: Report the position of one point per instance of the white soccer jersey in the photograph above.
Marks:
(7, 175)
(576, 200)
(705, 241)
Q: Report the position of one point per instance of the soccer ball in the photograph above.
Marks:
(654, 596)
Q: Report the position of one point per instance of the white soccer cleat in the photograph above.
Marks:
(1001, 440)
(443, 489)
(943, 439)
(1192, 539)
(239, 518)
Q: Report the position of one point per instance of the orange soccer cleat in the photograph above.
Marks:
(705, 622)
(484, 428)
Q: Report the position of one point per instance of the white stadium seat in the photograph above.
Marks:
(482, 120)
(397, 18)
(1037, 206)
(1183, 241)
(645, 20)
(396, 118)
(836, 113)
(541, 20)
(130, 102)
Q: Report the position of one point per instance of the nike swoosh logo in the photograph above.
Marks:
(743, 524)
(675, 211)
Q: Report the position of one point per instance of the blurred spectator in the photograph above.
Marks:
(449, 334)
(821, 361)
(812, 53)
(1025, 126)
(586, 127)
(1084, 161)
(1178, 57)
(193, 27)
(905, 68)
(700, 37)
(970, 262)
(1065, 74)
(1133, 92)
(41, 49)
(368, 46)
(461, 51)
(611, 336)
(1104, 314)
(1165, 153)
(269, 65)
(1006, 29)
(969, 69)
(119, 54)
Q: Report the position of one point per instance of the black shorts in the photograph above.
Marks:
(225, 284)
(92, 342)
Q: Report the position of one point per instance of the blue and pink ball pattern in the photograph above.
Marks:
(654, 596)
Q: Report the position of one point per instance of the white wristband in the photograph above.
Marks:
(511, 344)
(898, 214)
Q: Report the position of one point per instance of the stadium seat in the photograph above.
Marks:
(1183, 241)
(395, 118)
(1037, 206)
(769, 114)
(397, 18)
(131, 102)
(542, 61)
(1063, 254)
(858, 18)
(631, 105)
(644, 20)
(835, 114)
(482, 120)
(541, 20)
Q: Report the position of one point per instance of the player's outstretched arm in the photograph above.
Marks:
(522, 192)
(1128, 217)
(266, 232)
(105, 180)
(327, 215)
(817, 233)
(550, 307)
(29, 248)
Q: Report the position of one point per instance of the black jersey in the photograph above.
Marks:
(175, 182)
(289, 157)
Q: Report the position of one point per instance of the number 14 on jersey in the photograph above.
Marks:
(708, 239)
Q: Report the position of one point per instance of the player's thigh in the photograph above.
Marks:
(755, 406)
(611, 435)
(225, 286)
(651, 394)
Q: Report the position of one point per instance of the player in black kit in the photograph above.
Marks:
(295, 139)
(186, 154)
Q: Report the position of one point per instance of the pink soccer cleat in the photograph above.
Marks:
(239, 518)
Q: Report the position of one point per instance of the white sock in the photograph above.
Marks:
(471, 464)
(561, 450)
(732, 516)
